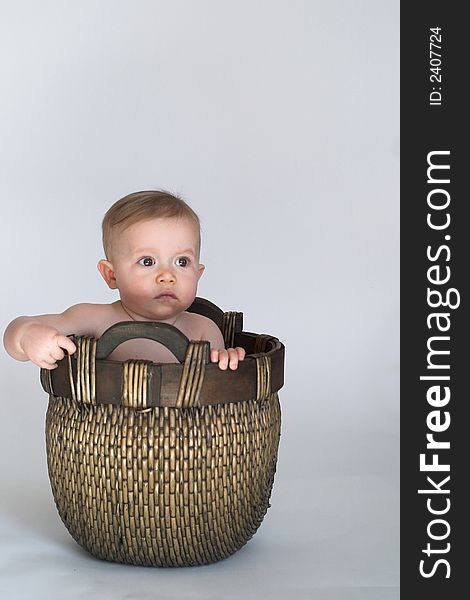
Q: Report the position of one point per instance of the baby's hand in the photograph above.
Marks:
(228, 357)
(44, 345)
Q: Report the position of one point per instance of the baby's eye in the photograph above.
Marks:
(182, 261)
(147, 261)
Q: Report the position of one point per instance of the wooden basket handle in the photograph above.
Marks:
(164, 333)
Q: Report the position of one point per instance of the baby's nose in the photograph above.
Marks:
(166, 275)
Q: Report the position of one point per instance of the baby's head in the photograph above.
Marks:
(144, 206)
(152, 244)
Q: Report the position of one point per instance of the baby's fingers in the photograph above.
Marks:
(223, 359)
(233, 358)
(220, 356)
(241, 352)
(66, 343)
(46, 364)
(56, 354)
(228, 358)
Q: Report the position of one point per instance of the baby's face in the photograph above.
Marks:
(156, 267)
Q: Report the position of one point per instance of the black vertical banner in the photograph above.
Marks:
(435, 261)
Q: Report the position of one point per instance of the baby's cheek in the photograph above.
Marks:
(135, 292)
(189, 283)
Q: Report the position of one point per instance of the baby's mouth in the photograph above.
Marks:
(166, 296)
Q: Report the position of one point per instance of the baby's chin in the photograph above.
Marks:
(164, 309)
(163, 313)
(170, 306)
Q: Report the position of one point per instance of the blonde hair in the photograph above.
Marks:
(143, 206)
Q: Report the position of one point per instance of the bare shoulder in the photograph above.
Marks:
(198, 327)
(89, 319)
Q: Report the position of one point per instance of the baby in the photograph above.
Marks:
(151, 242)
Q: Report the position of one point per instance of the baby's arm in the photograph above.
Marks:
(43, 339)
(225, 358)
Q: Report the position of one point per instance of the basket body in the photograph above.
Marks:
(162, 486)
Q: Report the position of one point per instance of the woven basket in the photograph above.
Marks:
(164, 464)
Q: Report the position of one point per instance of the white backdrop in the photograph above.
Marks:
(278, 122)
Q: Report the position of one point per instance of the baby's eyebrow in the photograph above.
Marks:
(142, 251)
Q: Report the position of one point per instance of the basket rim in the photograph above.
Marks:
(163, 379)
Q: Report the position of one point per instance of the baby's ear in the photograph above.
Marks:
(200, 270)
(107, 273)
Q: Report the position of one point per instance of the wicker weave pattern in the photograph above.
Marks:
(162, 486)
(263, 372)
(228, 328)
(84, 387)
(192, 377)
(134, 383)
